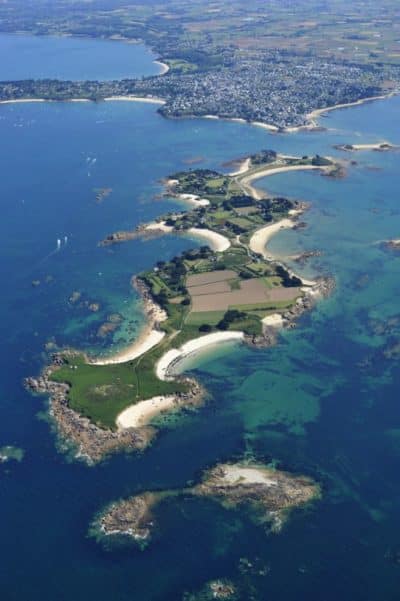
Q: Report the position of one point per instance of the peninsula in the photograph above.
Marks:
(232, 292)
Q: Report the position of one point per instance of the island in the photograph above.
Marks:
(229, 291)
(377, 147)
(10, 453)
(392, 244)
(269, 495)
(232, 292)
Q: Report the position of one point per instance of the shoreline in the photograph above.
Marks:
(247, 180)
(174, 356)
(150, 336)
(311, 118)
(164, 67)
(217, 242)
(150, 100)
(259, 240)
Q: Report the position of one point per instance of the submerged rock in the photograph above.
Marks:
(10, 453)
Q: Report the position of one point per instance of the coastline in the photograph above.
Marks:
(247, 180)
(262, 236)
(216, 241)
(150, 100)
(164, 67)
(173, 356)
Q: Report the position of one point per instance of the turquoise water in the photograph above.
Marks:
(30, 57)
(323, 402)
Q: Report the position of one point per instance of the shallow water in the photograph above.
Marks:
(323, 402)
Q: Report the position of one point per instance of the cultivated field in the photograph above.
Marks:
(220, 296)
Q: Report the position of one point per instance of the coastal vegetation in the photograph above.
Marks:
(203, 295)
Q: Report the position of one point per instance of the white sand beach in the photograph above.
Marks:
(378, 146)
(267, 126)
(216, 242)
(248, 179)
(192, 199)
(164, 67)
(149, 338)
(159, 226)
(143, 412)
(261, 237)
(172, 356)
(135, 99)
(235, 474)
(23, 100)
(245, 166)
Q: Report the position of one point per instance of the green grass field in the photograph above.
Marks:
(101, 392)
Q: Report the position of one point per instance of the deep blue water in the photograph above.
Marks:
(323, 402)
(30, 57)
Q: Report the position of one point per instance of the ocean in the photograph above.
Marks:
(323, 402)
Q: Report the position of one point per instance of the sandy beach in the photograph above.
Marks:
(159, 226)
(216, 242)
(135, 99)
(247, 180)
(192, 199)
(271, 128)
(261, 237)
(149, 338)
(245, 166)
(379, 146)
(172, 356)
(164, 67)
(143, 412)
(23, 100)
(234, 474)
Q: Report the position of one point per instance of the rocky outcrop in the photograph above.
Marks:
(392, 244)
(89, 442)
(268, 493)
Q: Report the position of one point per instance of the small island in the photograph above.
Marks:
(377, 147)
(10, 453)
(215, 589)
(229, 290)
(392, 244)
(268, 494)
